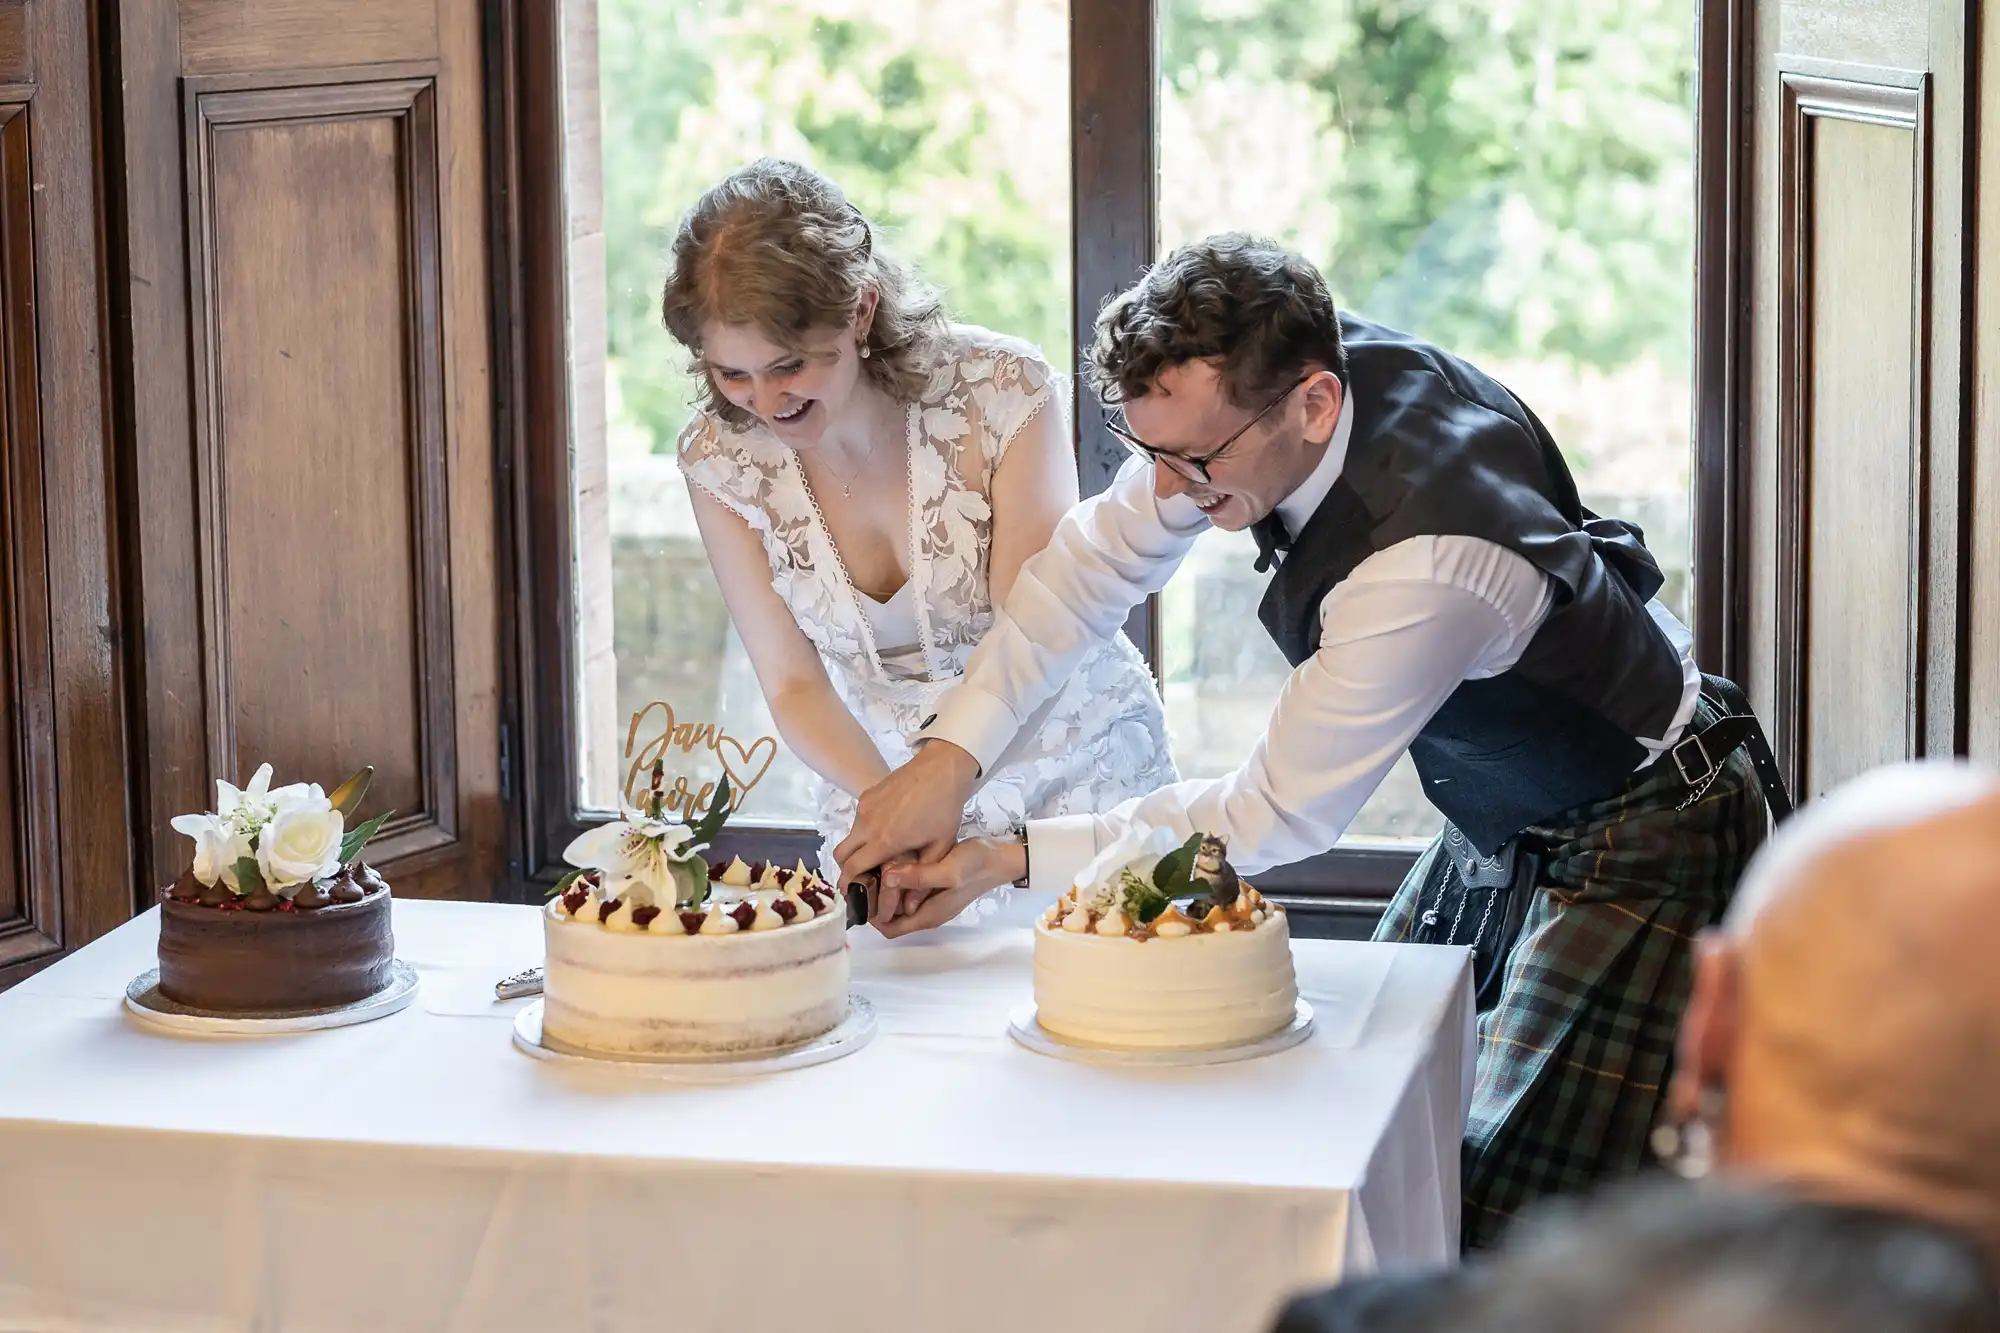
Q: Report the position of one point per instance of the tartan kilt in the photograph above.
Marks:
(1574, 1057)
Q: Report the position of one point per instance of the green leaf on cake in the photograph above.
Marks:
(357, 837)
(710, 824)
(562, 885)
(690, 881)
(249, 878)
(1174, 875)
(1140, 900)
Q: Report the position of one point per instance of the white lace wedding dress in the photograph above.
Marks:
(1100, 740)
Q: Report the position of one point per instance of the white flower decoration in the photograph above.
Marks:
(301, 843)
(217, 848)
(638, 855)
(248, 809)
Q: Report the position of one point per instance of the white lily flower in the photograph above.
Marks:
(636, 853)
(250, 808)
(217, 848)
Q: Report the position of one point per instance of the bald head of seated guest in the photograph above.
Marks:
(1843, 1037)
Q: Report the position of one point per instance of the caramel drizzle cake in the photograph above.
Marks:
(653, 951)
(1157, 947)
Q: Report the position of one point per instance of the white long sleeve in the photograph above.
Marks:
(1107, 555)
(1397, 637)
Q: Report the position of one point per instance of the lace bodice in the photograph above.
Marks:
(955, 435)
(1101, 739)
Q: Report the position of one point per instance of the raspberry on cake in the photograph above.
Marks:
(654, 951)
(1158, 947)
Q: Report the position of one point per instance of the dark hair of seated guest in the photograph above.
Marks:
(1675, 1258)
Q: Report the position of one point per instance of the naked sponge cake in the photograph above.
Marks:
(278, 913)
(654, 953)
(1162, 947)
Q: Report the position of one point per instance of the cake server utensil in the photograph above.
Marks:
(521, 983)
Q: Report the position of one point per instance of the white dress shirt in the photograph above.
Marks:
(1397, 636)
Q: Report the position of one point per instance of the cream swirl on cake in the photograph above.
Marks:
(1163, 947)
(654, 951)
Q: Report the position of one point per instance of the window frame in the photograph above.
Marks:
(1114, 47)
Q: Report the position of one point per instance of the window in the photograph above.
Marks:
(946, 124)
(1513, 182)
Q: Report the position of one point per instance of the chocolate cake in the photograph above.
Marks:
(278, 914)
(317, 951)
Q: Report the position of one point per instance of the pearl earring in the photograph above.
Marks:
(864, 351)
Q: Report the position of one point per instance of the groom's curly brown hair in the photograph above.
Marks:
(1260, 312)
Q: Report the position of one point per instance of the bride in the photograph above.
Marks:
(868, 479)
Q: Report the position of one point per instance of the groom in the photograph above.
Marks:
(1438, 589)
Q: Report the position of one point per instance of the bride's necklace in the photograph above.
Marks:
(846, 482)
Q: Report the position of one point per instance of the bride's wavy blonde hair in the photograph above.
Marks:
(778, 247)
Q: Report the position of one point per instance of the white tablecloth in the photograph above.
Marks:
(418, 1173)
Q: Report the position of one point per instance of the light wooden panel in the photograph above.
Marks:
(30, 897)
(17, 44)
(238, 36)
(1983, 620)
(320, 442)
(1852, 430)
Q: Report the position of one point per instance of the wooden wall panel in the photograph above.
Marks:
(30, 900)
(242, 36)
(1852, 430)
(17, 44)
(65, 850)
(1983, 595)
(1853, 598)
(320, 441)
(301, 305)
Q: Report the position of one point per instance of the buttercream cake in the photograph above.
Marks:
(1163, 948)
(654, 952)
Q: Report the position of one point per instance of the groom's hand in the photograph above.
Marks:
(933, 892)
(915, 812)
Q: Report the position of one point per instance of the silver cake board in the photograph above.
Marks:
(143, 999)
(846, 1037)
(1023, 1027)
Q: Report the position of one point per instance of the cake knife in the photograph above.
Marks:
(521, 983)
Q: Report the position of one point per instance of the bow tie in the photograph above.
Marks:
(1271, 537)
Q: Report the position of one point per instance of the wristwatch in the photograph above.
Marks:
(1020, 835)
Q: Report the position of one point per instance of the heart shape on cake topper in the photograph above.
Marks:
(744, 770)
(745, 766)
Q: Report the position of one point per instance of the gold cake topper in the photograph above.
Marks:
(745, 764)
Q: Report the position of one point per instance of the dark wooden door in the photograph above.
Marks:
(65, 866)
(302, 266)
(1860, 286)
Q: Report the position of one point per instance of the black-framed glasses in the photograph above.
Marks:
(1193, 468)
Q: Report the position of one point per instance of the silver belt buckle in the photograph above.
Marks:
(1707, 764)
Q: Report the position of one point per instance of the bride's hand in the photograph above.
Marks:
(915, 811)
(945, 887)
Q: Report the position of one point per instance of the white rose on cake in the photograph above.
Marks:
(301, 842)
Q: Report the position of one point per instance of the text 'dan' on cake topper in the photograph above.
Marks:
(664, 732)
